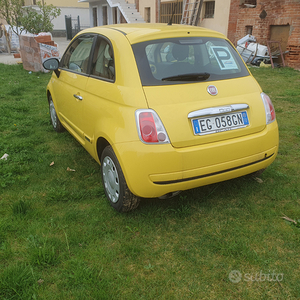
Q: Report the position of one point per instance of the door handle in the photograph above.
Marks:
(78, 97)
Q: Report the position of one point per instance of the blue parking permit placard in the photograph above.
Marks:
(224, 58)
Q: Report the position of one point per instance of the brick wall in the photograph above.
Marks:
(279, 12)
(35, 50)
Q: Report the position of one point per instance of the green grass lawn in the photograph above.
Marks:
(60, 239)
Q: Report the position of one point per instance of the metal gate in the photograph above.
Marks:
(168, 8)
(72, 26)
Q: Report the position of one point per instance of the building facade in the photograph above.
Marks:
(104, 12)
(71, 8)
(268, 20)
(214, 14)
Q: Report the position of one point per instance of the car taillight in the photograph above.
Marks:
(269, 108)
(150, 128)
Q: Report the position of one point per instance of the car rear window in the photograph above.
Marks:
(186, 60)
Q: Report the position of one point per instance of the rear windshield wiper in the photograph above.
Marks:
(188, 77)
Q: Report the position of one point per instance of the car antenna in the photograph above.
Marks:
(171, 20)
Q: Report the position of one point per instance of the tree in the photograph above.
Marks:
(11, 11)
(39, 20)
(22, 18)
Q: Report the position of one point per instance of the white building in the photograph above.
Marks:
(214, 14)
(68, 8)
(104, 12)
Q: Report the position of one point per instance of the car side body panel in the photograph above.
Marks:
(70, 110)
(107, 118)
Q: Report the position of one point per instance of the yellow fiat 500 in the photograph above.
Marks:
(162, 109)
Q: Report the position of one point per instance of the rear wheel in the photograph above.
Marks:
(54, 118)
(115, 186)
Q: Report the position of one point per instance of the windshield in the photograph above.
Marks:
(185, 60)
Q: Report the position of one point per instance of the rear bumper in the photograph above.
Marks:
(241, 166)
(155, 170)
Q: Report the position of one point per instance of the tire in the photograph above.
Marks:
(115, 186)
(54, 118)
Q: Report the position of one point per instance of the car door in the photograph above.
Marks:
(72, 80)
(101, 88)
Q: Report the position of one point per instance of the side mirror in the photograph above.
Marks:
(52, 64)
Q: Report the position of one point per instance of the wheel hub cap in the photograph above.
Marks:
(111, 179)
(53, 114)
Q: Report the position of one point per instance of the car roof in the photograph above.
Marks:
(140, 32)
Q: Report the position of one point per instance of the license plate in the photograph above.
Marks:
(220, 123)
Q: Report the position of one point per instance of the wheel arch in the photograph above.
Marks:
(48, 95)
(102, 143)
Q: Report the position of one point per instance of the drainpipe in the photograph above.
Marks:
(157, 11)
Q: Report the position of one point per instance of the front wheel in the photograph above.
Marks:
(115, 186)
(54, 118)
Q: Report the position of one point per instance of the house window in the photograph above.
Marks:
(147, 14)
(209, 9)
(95, 18)
(248, 30)
(247, 3)
(34, 2)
